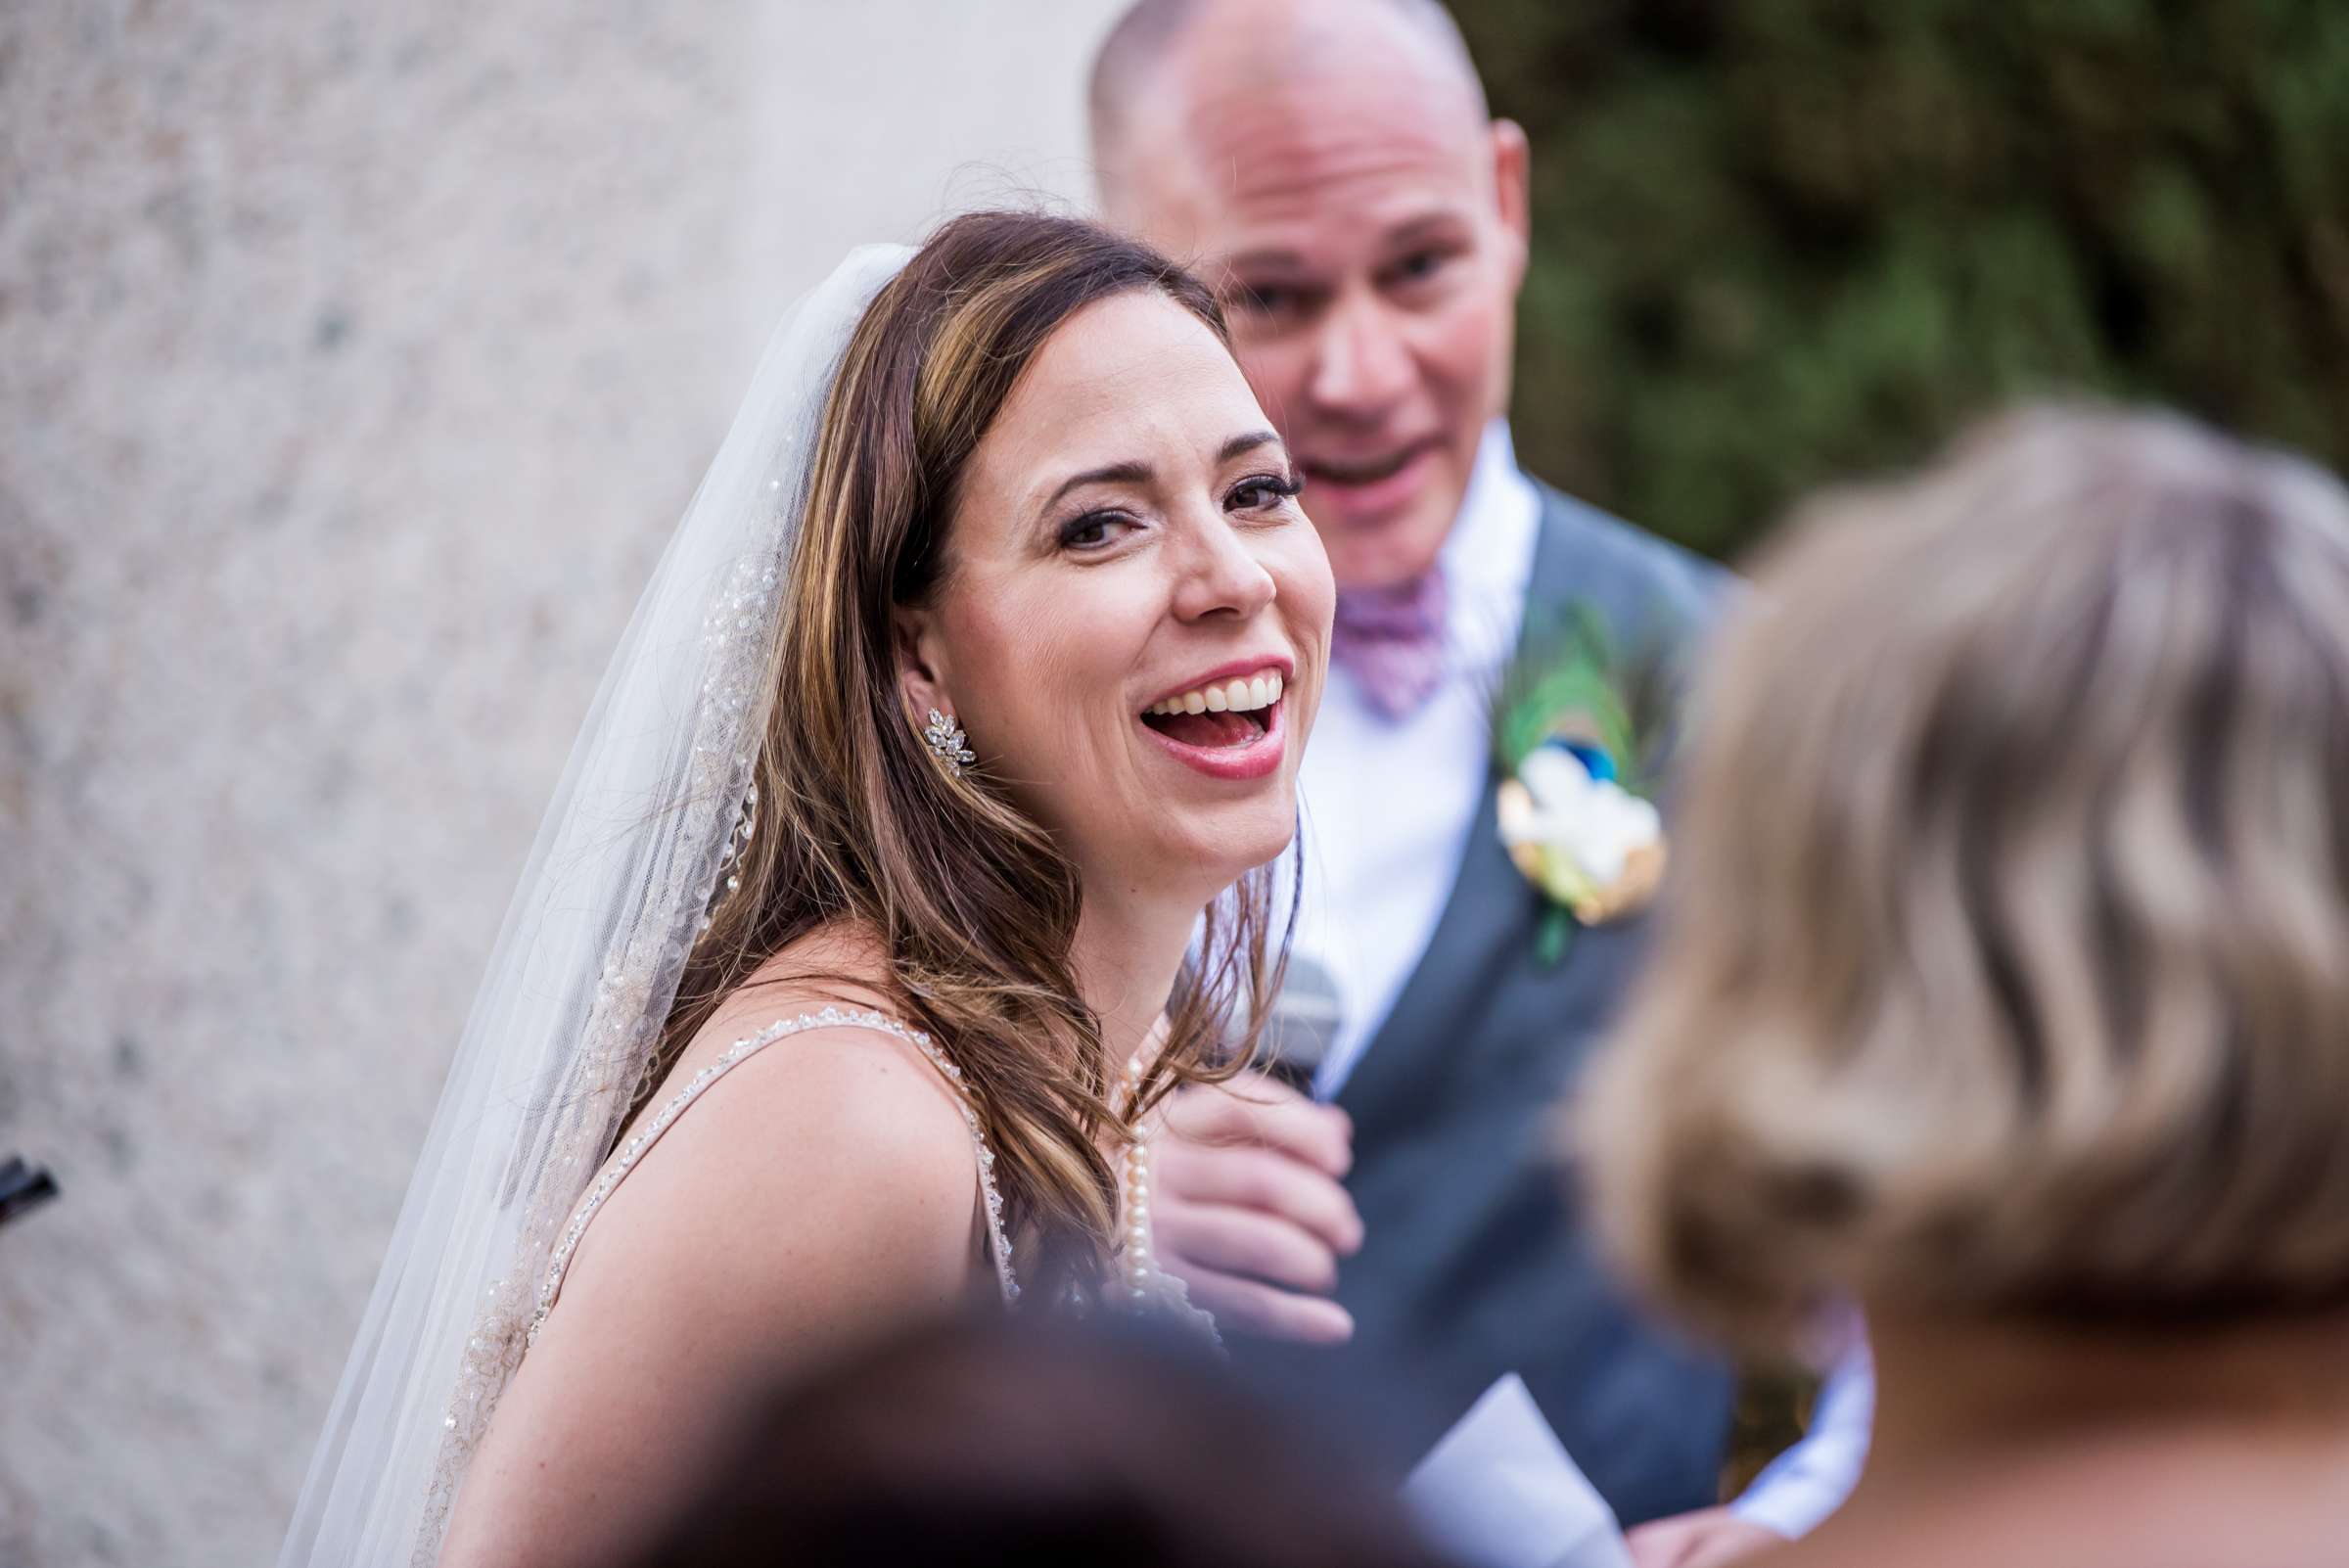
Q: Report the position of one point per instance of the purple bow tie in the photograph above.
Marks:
(1393, 641)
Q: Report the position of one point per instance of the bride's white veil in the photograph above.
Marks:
(583, 973)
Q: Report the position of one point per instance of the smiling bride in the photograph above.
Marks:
(914, 849)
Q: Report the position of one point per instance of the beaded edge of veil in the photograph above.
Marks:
(575, 1113)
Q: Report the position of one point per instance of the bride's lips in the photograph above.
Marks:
(1369, 485)
(1248, 760)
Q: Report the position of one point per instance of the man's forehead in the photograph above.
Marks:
(1318, 153)
(1273, 112)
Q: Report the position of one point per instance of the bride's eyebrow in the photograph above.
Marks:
(1126, 473)
(1248, 442)
(1135, 471)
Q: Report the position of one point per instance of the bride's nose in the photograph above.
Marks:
(1217, 575)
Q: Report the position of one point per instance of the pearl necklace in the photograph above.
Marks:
(1148, 1287)
(1143, 1279)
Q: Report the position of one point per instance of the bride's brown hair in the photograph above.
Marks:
(975, 906)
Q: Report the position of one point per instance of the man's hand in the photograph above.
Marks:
(1707, 1539)
(1249, 1210)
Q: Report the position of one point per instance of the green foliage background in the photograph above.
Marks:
(1784, 241)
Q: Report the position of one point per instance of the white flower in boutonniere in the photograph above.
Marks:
(1588, 843)
(1576, 734)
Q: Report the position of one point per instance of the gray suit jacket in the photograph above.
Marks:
(1477, 1260)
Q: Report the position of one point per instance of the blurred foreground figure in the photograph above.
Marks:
(1011, 1443)
(2006, 991)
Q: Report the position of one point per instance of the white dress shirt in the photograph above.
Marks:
(1377, 879)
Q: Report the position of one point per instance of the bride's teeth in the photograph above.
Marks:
(1232, 697)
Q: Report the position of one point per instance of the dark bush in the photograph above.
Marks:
(1788, 240)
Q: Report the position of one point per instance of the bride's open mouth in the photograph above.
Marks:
(1227, 724)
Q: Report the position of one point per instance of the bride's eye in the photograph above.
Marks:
(1260, 492)
(1095, 531)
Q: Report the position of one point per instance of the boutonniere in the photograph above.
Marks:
(1576, 731)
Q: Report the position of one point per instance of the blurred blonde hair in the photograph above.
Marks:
(2008, 965)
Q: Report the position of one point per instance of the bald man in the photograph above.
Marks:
(1403, 1235)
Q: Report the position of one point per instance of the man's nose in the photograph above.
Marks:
(1362, 364)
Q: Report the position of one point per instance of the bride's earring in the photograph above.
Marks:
(946, 743)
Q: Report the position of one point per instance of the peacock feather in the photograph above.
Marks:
(1574, 687)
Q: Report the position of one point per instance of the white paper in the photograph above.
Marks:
(1499, 1491)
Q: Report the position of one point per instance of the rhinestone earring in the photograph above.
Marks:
(946, 743)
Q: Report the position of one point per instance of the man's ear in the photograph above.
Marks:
(1512, 184)
(921, 662)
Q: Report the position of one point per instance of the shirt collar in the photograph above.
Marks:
(1488, 558)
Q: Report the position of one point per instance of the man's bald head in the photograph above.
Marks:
(1330, 167)
(1141, 63)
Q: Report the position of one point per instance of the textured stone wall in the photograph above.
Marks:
(355, 363)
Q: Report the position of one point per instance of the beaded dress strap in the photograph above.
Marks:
(625, 1161)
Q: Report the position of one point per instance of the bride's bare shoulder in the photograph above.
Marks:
(836, 1133)
(811, 1198)
(836, 967)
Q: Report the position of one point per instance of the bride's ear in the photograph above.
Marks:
(921, 662)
